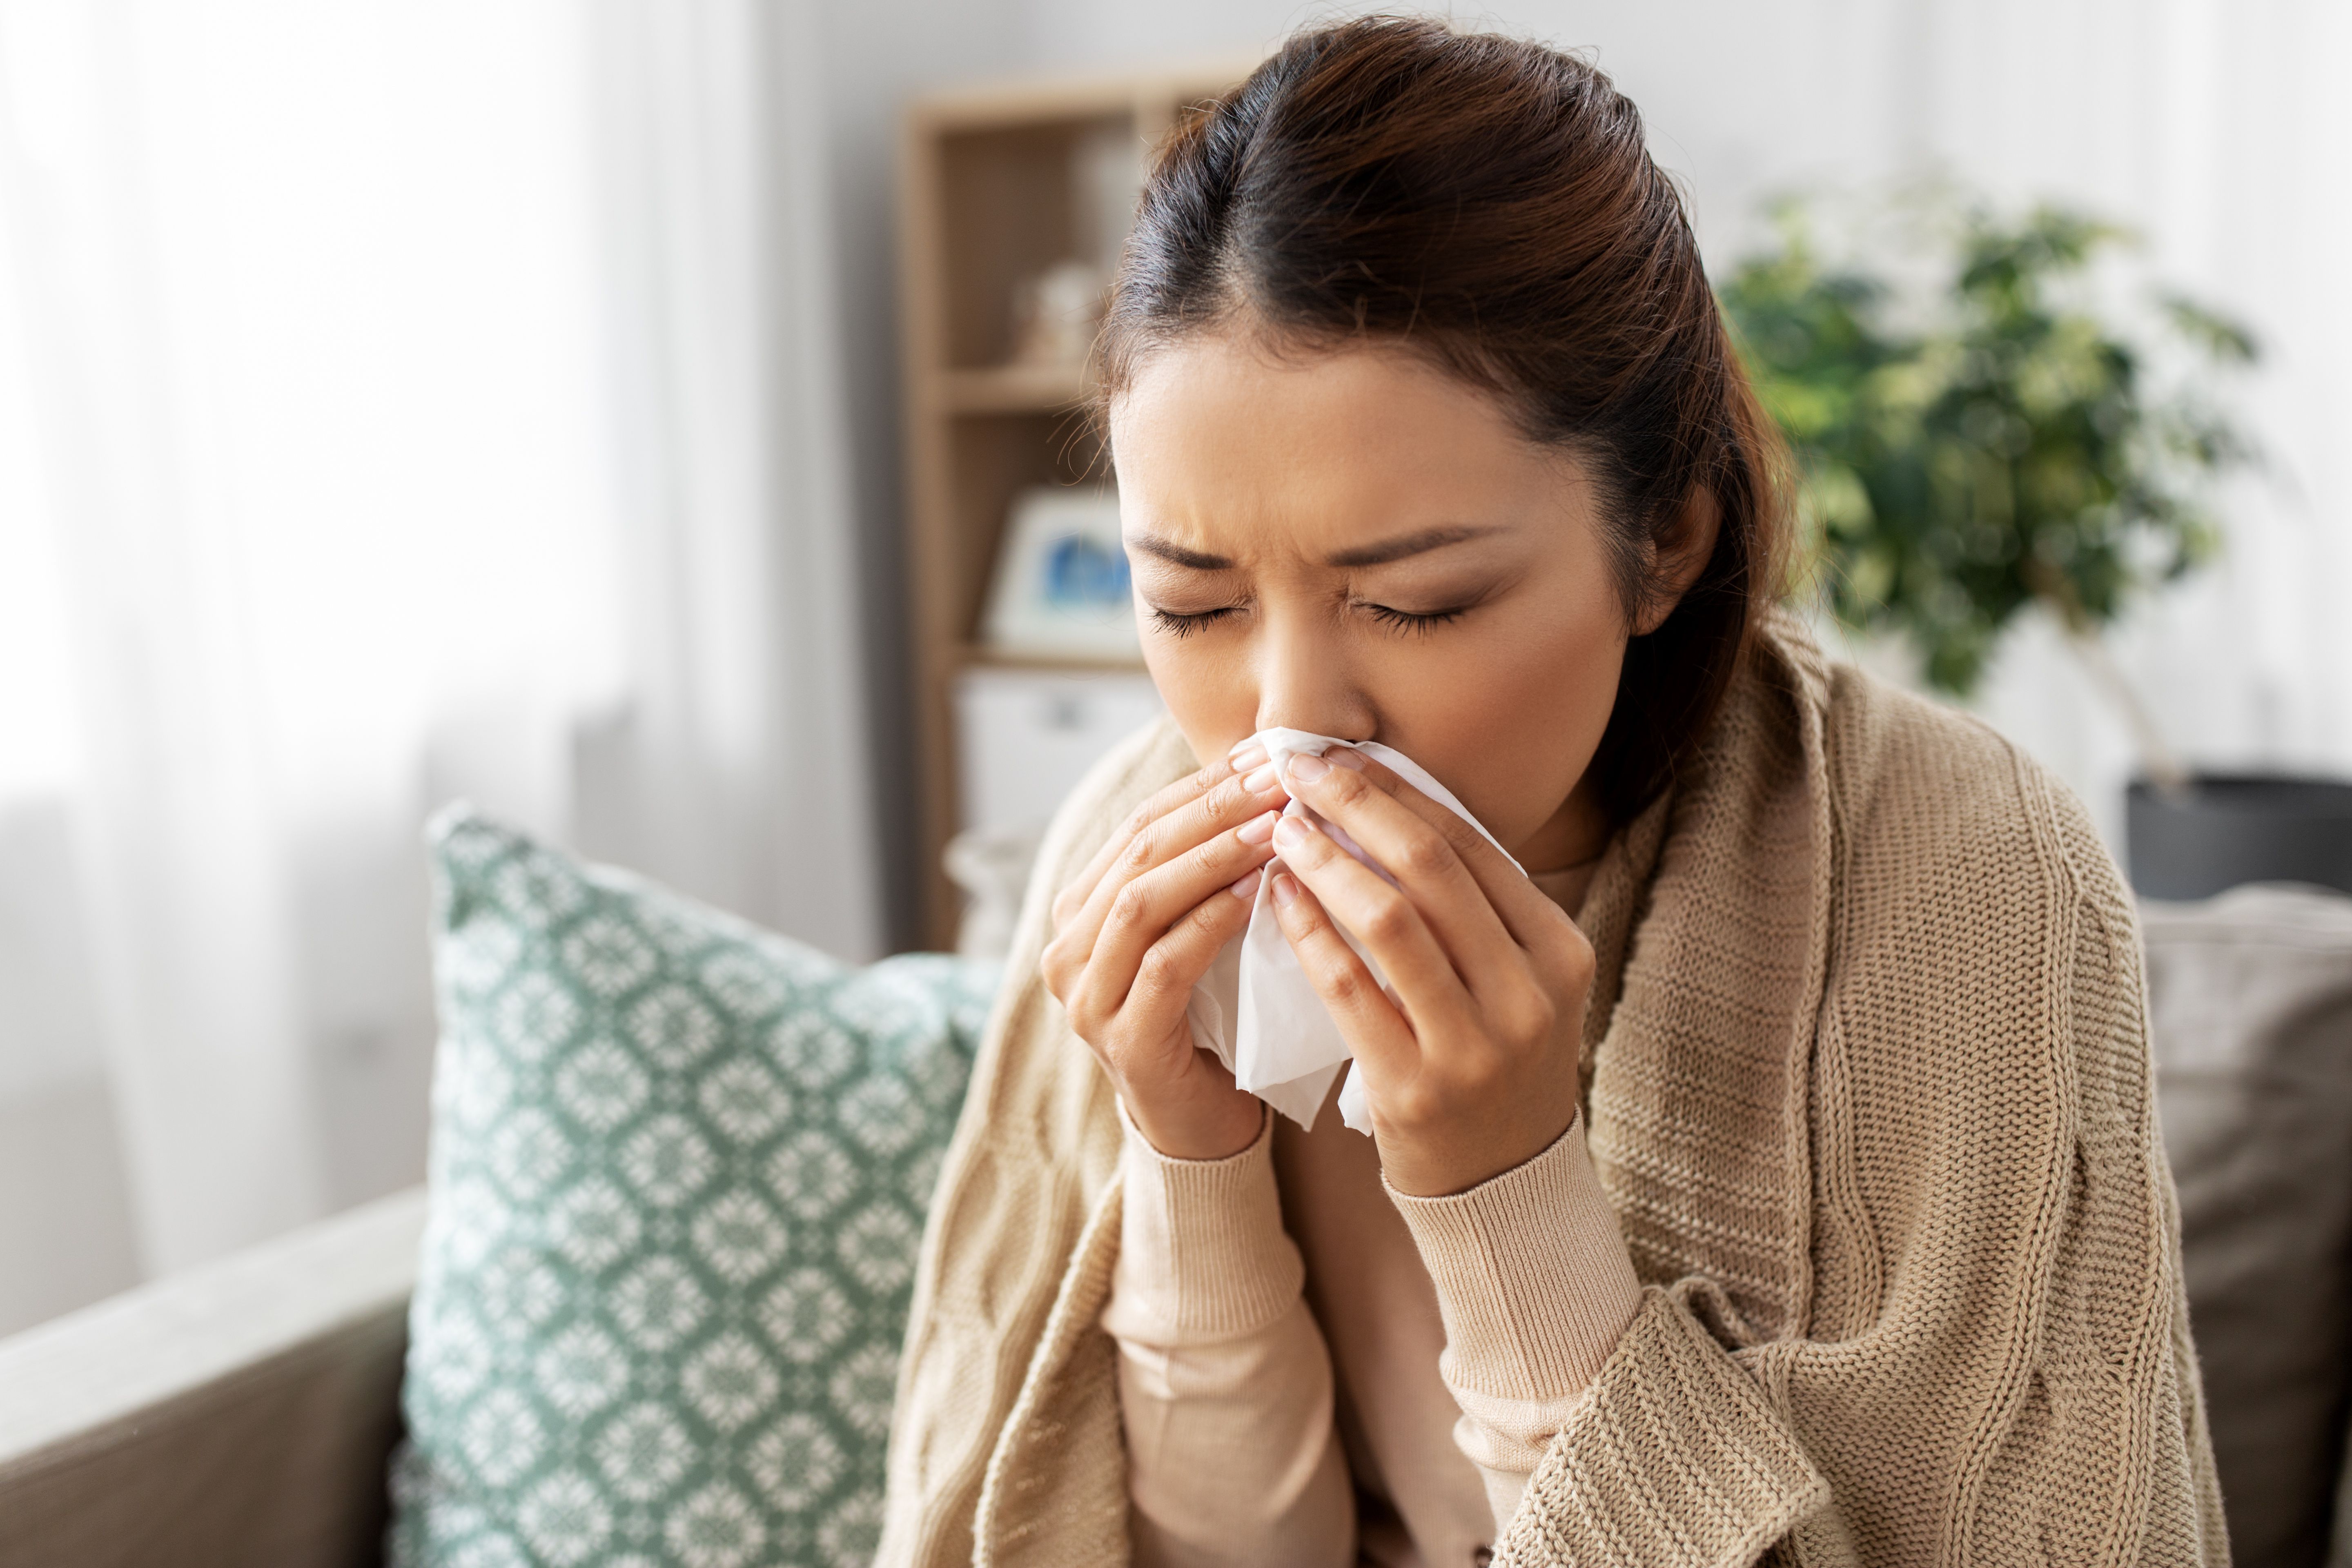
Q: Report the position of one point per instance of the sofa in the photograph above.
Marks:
(240, 1413)
(243, 1413)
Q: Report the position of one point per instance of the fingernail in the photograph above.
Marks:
(1247, 755)
(1346, 757)
(1265, 781)
(1307, 769)
(1285, 887)
(1247, 888)
(1290, 833)
(1257, 829)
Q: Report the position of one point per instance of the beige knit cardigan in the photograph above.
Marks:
(1867, 1081)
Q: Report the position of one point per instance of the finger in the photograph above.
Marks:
(1103, 991)
(1383, 1041)
(1190, 787)
(1171, 966)
(1145, 908)
(1223, 807)
(1531, 917)
(1423, 859)
(1245, 756)
(1381, 917)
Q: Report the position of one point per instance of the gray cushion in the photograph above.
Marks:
(2251, 1013)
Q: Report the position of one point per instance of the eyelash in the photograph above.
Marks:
(1184, 626)
(1406, 621)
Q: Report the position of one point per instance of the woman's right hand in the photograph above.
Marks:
(1136, 930)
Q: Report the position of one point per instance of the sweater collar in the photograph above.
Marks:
(1708, 919)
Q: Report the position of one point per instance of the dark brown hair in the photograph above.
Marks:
(1490, 203)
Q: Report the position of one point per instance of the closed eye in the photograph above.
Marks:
(1409, 621)
(1183, 625)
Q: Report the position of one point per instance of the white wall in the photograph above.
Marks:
(879, 56)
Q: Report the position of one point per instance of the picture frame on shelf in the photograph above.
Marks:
(1061, 588)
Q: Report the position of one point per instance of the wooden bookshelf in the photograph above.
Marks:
(996, 185)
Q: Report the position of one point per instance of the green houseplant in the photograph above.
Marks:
(1995, 436)
(1990, 440)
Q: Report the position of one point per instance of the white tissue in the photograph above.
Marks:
(1256, 1010)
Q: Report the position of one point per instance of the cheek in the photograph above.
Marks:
(1511, 722)
(1208, 689)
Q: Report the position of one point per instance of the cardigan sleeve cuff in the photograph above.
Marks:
(1532, 1276)
(1203, 1254)
(1675, 1456)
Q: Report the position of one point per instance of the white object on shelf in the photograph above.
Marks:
(1061, 585)
(1024, 738)
(1056, 313)
(991, 865)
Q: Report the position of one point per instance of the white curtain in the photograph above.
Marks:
(735, 768)
(402, 400)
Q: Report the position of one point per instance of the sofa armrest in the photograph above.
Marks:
(241, 1412)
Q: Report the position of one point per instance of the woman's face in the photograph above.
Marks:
(1355, 543)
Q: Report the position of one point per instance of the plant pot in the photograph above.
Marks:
(2239, 827)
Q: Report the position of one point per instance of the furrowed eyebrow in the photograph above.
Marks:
(1404, 544)
(1151, 544)
(1380, 554)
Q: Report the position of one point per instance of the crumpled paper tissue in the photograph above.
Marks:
(1256, 1010)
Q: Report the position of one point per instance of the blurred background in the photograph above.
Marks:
(650, 419)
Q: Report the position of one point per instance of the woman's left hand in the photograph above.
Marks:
(1469, 1057)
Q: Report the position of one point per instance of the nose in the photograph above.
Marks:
(1305, 681)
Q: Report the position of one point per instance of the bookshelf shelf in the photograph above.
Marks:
(1011, 389)
(979, 656)
(997, 185)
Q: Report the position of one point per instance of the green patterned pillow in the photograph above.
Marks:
(680, 1168)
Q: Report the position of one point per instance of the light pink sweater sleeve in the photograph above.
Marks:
(1536, 1288)
(1225, 1384)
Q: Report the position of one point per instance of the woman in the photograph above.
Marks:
(1764, 1163)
